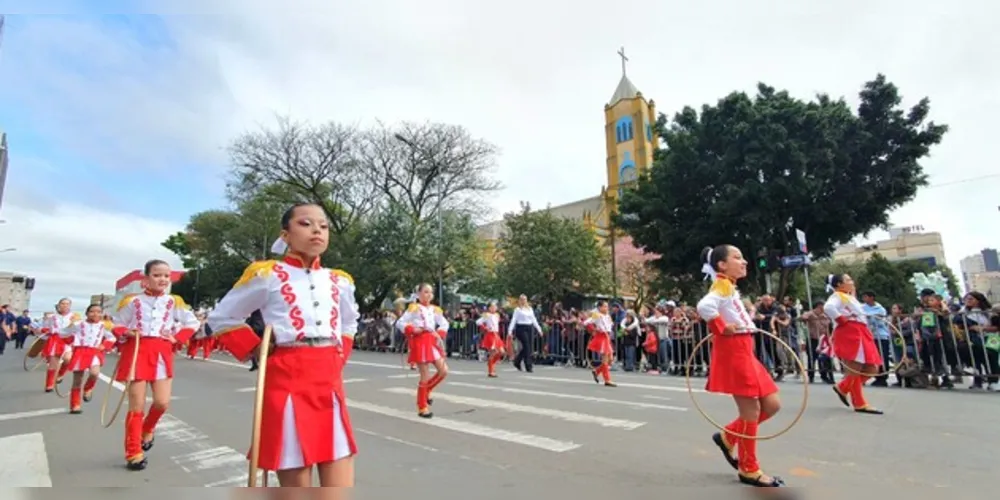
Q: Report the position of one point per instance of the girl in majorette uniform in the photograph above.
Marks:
(314, 317)
(853, 342)
(399, 326)
(89, 340)
(426, 327)
(489, 325)
(56, 350)
(157, 321)
(600, 325)
(201, 340)
(734, 369)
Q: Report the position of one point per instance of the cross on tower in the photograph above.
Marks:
(621, 52)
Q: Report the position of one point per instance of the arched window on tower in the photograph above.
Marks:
(623, 129)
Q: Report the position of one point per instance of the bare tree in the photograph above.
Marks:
(426, 166)
(315, 163)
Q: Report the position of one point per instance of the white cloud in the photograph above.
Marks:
(76, 251)
(531, 76)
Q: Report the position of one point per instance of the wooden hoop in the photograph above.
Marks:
(34, 352)
(885, 364)
(766, 437)
(258, 408)
(57, 384)
(125, 386)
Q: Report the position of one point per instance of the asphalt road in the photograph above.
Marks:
(546, 434)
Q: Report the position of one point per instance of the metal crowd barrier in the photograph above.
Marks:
(943, 349)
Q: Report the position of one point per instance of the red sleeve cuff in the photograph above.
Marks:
(45, 330)
(591, 327)
(348, 343)
(717, 325)
(239, 342)
(118, 331)
(183, 336)
(442, 334)
(107, 345)
(409, 330)
(841, 321)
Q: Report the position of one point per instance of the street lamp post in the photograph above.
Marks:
(440, 226)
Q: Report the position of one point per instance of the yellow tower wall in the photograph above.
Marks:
(636, 151)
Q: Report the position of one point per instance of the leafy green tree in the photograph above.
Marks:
(384, 190)
(890, 281)
(750, 170)
(545, 257)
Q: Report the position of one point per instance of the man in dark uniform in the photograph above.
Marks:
(22, 327)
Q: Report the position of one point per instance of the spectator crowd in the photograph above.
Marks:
(937, 344)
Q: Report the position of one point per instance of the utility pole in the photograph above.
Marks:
(440, 224)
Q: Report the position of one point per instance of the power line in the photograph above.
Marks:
(963, 181)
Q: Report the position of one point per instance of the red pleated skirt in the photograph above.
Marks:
(155, 360)
(853, 341)
(735, 370)
(425, 348)
(601, 343)
(84, 357)
(491, 341)
(55, 346)
(306, 384)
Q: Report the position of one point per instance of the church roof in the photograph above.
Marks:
(575, 210)
(626, 90)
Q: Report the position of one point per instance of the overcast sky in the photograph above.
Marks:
(117, 123)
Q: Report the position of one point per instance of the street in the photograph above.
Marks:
(550, 433)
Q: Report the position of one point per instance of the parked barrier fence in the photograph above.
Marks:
(944, 349)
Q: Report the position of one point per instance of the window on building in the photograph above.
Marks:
(623, 129)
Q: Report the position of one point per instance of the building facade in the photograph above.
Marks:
(630, 140)
(904, 243)
(15, 290)
(980, 271)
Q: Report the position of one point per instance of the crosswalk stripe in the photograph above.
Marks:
(30, 414)
(562, 395)
(567, 416)
(24, 462)
(530, 440)
(620, 384)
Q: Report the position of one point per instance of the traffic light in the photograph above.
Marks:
(762, 259)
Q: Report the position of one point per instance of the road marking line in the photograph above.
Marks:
(227, 363)
(397, 440)
(206, 459)
(209, 459)
(620, 384)
(560, 395)
(567, 416)
(539, 442)
(658, 398)
(24, 462)
(29, 414)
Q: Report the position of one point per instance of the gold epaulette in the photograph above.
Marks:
(124, 302)
(258, 269)
(723, 287)
(414, 307)
(343, 274)
(179, 302)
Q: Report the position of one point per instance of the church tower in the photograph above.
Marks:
(629, 134)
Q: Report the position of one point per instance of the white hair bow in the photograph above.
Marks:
(708, 269)
(279, 247)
